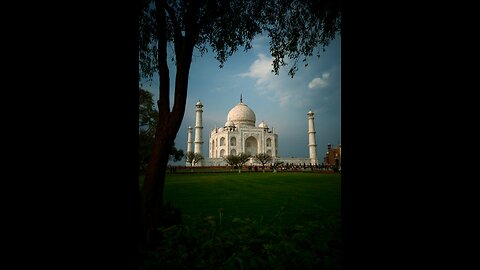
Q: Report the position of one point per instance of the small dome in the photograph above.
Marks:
(263, 125)
(229, 124)
(199, 103)
(241, 115)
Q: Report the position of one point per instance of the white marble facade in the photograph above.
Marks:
(240, 135)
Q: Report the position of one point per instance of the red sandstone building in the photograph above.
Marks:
(333, 157)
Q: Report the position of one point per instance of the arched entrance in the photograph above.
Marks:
(251, 146)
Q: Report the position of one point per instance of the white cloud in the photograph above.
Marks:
(261, 69)
(282, 89)
(277, 88)
(259, 43)
(319, 82)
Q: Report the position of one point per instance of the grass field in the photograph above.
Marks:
(288, 220)
(303, 196)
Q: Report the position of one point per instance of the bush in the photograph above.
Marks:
(243, 243)
(170, 215)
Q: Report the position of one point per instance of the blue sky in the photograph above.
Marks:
(279, 100)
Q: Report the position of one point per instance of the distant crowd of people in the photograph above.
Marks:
(304, 166)
(275, 167)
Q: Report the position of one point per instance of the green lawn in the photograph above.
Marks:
(302, 196)
(252, 234)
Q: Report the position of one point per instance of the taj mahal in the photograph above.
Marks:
(240, 134)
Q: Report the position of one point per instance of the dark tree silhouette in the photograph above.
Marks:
(176, 154)
(237, 161)
(242, 159)
(231, 160)
(263, 159)
(295, 29)
(193, 158)
(147, 122)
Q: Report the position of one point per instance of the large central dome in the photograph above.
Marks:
(241, 115)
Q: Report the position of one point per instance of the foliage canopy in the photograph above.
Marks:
(295, 28)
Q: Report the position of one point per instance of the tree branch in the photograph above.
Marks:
(191, 24)
(164, 99)
(176, 27)
(177, 33)
(184, 60)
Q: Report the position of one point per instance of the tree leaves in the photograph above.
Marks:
(295, 28)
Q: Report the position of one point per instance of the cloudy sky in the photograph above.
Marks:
(279, 100)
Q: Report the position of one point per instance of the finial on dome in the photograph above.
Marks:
(241, 100)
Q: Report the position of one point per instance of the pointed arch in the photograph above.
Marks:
(251, 146)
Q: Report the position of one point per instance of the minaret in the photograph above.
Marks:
(190, 142)
(198, 130)
(311, 139)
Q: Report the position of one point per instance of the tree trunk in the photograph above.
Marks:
(166, 132)
(169, 120)
(155, 181)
